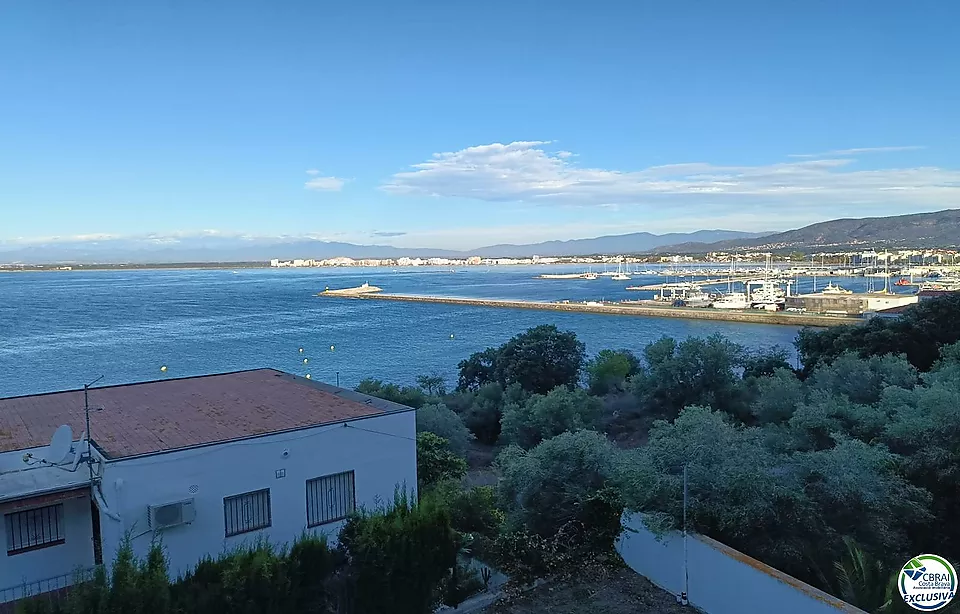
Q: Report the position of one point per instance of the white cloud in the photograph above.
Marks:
(859, 150)
(323, 184)
(525, 171)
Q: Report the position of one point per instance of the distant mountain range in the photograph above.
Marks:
(633, 243)
(919, 230)
(158, 250)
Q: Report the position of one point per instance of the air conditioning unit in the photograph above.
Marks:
(171, 514)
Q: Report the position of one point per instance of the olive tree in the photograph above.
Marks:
(544, 416)
(544, 488)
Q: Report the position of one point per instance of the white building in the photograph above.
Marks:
(210, 462)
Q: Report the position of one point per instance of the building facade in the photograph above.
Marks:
(207, 464)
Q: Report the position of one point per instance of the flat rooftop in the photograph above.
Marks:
(174, 414)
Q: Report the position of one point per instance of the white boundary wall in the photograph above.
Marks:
(721, 579)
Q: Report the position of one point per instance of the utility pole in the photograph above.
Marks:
(686, 576)
(86, 412)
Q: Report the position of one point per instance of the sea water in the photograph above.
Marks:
(60, 329)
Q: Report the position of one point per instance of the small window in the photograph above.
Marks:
(247, 512)
(330, 498)
(34, 529)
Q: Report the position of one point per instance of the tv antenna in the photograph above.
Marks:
(86, 413)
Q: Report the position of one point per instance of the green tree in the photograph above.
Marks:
(546, 416)
(918, 333)
(477, 370)
(695, 371)
(777, 397)
(432, 385)
(862, 380)
(609, 371)
(482, 410)
(399, 556)
(436, 462)
(924, 427)
(545, 488)
(765, 363)
(406, 395)
(539, 359)
(443, 422)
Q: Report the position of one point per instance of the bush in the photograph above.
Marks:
(694, 371)
(436, 462)
(609, 371)
(545, 488)
(545, 416)
(406, 395)
(473, 511)
(918, 334)
(399, 557)
(482, 410)
(443, 422)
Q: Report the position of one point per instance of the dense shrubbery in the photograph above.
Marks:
(919, 334)
(257, 579)
(443, 422)
(545, 488)
(399, 557)
(609, 371)
(544, 416)
(410, 396)
(436, 462)
(394, 559)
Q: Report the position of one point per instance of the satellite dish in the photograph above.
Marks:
(60, 445)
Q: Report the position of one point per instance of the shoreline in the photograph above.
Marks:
(72, 268)
(754, 316)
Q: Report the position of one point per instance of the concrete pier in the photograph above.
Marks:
(755, 316)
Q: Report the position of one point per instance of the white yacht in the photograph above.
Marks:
(768, 295)
(732, 300)
(620, 275)
(835, 289)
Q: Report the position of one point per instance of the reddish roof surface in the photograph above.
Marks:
(182, 413)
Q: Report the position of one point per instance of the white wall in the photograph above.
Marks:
(77, 549)
(381, 461)
(721, 579)
(75, 552)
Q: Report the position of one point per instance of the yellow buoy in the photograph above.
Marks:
(164, 368)
(331, 348)
(307, 376)
(306, 360)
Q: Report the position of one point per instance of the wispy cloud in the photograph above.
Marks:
(859, 150)
(387, 234)
(323, 184)
(525, 171)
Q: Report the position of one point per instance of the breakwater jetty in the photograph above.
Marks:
(358, 291)
(755, 316)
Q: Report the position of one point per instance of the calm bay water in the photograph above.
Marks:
(61, 329)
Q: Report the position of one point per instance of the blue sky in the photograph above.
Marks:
(452, 124)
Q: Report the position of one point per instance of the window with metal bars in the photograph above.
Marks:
(330, 498)
(28, 530)
(247, 512)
